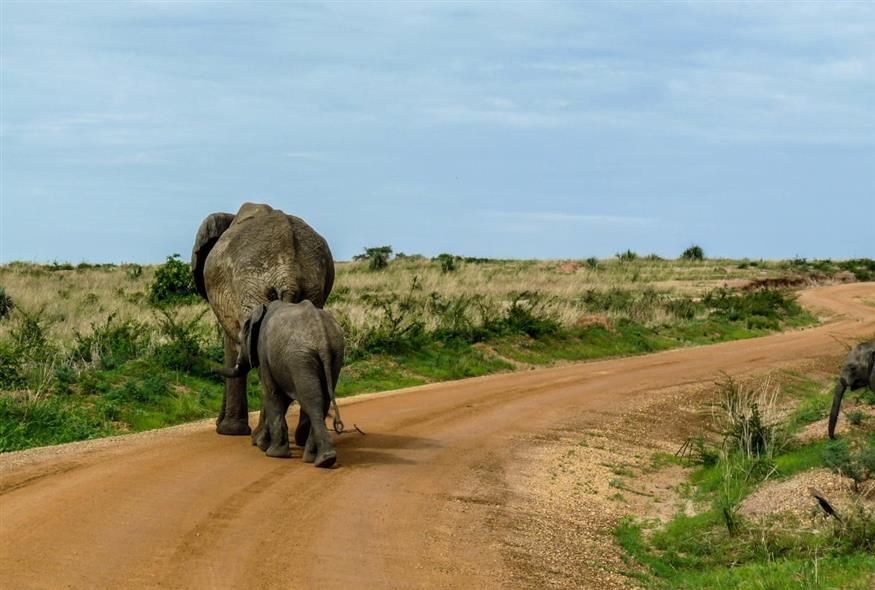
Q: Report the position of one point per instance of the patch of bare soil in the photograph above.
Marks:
(818, 430)
(568, 268)
(587, 476)
(792, 498)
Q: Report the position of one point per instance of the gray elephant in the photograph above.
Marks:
(242, 261)
(858, 371)
(298, 350)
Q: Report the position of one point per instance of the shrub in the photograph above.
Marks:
(64, 377)
(447, 262)
(112, 343)
(182, 349)
(592, 262)
(6, 304)
(627, 256)
(173, 283)
(526, 315)
(377, 257)
(11, 376)
(769, 305)
(694, 252)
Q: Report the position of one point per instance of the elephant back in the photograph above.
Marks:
(265, 255)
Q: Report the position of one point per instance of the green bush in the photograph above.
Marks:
(173, 283)
(767, 304)
(113, 343)
(447, 262)
(182, 345)
(627, 256)
(694, 252)
(6, 304)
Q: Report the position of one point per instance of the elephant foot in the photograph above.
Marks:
(309, 450)
(326, 459)
(234, 427)
(279, 451)
(302, 431)
(261, 439)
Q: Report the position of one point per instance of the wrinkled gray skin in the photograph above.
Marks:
(298, 350)
(858, 371)
(245, 260)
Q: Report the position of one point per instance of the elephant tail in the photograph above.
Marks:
(326, 367)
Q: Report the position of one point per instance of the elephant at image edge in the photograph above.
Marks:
(298, 351)
(249, 259)
(858, 371)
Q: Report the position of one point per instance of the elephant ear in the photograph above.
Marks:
(254, 331)
(207, 234)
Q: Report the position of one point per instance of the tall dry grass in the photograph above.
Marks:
(72, 300)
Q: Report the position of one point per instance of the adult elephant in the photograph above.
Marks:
(242, 261)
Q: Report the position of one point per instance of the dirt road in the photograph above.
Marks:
(408, 506)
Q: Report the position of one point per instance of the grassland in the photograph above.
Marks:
(86, 350)
(758, 437)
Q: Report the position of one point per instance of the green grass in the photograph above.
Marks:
(713, 563)
(717, 548)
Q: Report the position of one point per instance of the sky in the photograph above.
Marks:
(512, 130)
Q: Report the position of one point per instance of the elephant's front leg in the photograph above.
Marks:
(234, 417)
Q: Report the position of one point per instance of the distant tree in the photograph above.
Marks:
(694, 252)
(592, 262)
(448, 262)
(377, 257)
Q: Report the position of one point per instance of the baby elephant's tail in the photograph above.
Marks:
(326, 367)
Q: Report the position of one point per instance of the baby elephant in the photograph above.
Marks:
(298, 350)
(858, 371)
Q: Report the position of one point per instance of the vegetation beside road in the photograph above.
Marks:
(92, 350)
(753, 441)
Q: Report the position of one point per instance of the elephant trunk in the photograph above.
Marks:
(836, 406)
(233, 372)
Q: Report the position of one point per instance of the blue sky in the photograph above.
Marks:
(559, 130)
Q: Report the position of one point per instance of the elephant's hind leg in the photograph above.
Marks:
(234, 417)
(275, 405)
(308, 387)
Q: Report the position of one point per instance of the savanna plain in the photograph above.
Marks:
(713, 480)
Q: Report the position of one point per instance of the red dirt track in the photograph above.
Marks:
(186, 508)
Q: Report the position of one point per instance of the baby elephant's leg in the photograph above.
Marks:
(275, 405)
(308, 388)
